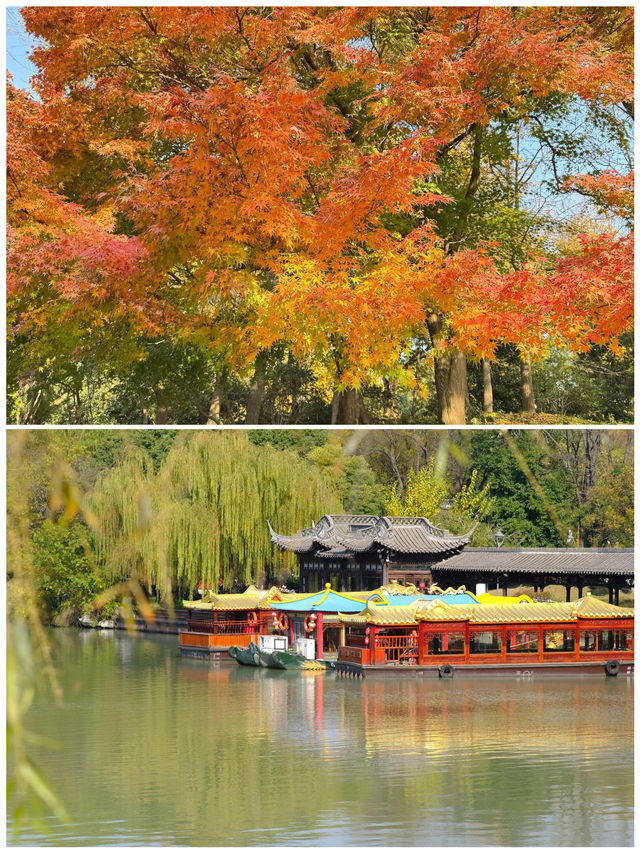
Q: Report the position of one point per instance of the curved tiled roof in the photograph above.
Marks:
(455, 598)
(404, 614)
(334, 535)
(582, 561)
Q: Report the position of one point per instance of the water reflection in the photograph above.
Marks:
(159, 750)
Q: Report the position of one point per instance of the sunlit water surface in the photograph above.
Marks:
(155, 750)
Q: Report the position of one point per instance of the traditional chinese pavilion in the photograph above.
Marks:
(364, 552)
(353, 552)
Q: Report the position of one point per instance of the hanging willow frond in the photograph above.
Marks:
(204, 514)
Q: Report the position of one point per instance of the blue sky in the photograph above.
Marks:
(19, 45)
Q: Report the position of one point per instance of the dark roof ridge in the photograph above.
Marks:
(545, 549)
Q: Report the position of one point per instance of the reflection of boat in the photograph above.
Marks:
(246, 657)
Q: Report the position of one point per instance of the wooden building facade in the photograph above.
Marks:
(355, 552)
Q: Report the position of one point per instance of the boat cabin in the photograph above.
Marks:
(316, 617)
(217, 622)
(437, 637)
(310, 623)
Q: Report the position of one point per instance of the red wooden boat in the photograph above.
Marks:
(217, 622)
(438, 639)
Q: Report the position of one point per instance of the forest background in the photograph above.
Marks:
(160, 510)
(268, 215)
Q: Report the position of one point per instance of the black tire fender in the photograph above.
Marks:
(612, 667)
(445, 671)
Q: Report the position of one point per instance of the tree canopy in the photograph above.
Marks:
(300, 196)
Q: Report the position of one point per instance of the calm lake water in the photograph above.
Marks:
(156, 750)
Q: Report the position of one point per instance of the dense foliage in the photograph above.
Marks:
(204, 515)
(172, 508)
(304, 215)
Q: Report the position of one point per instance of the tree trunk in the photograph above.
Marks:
(450, 375)
(161, 416)
(526, 385)
(388, 408)
(451, 387)
(592, 441)
(347, 407)
(256, 391)
(487, 386)
(451, 370)
(215, 405)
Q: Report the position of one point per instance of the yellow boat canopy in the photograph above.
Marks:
(251, 599)
(437, 611)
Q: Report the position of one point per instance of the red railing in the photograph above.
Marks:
(206, 626)
(398, 647)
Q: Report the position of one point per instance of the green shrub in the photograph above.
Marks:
(65, 568)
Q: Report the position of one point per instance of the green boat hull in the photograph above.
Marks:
(253, 656)
(250, 656)
(289, 660)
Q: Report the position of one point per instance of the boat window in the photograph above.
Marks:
(298, 628)
(588, 641)
(624, 641)
(559, 641)
(445, 643)
(522, 641)
(609, 640)
(614, 641)
(332, 639)
(485, 642)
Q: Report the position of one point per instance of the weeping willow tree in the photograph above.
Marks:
(204, 514)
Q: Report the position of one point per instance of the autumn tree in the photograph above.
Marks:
(274, 172)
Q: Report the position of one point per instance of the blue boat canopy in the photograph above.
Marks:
(326, 600)
(448, 598)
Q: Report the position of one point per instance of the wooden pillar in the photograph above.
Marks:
(617, 601)
(610, 593)
(421, 655)
(567, 586)
(580, 588)
(319, 638)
